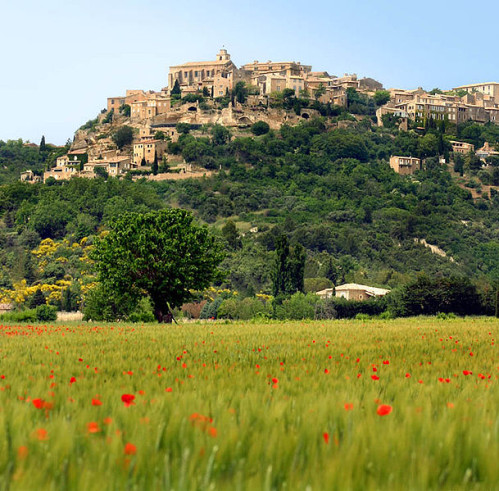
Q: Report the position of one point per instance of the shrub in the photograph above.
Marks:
(260, 128)
(143, 312)
(23, 316)
(210, 310)
(46, 313)
(298, 306)
(245, 309)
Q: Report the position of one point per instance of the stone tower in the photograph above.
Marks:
(223, 55)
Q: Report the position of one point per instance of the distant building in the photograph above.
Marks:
(405, 165)
(114, 166)
(30, 176)
(462, 147)
(326, 293)
(486, 151)
(147, 150)
(6, 307)
(200, 74)
(353, 291)
(489, 88)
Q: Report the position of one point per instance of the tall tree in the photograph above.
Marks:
(289, 268)
(163, 254)
(231, 235)
(176, 92)
(155, 166)
(43, 146)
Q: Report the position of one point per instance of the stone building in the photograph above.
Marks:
(489, 88)
(405, 165)
(196, 75)
(147, 150)
(353, 291)
(30, 177)
(462, 147)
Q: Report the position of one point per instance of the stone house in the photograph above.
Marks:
(147, 150)
(405, 166)
(30, 177)
(462, 147)
(488, 88)
(353, 291)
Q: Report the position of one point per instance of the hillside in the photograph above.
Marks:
(326, 187)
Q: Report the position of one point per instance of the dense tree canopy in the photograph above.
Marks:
(163, 254)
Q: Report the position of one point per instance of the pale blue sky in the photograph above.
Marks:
(60, 60)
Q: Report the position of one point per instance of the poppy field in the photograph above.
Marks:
(378, 404)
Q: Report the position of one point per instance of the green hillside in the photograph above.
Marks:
(326, 187)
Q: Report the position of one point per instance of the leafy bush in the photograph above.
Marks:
(46, 313)
(23, 316)
(143, 312)
(298, 306)
(260, 128)
(123, 136)
(245, 309)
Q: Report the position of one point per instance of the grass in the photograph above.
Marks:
(250, 406)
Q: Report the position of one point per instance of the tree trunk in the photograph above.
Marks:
(162, 312)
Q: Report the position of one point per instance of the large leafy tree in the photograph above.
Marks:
(162, 254)
(123, 136)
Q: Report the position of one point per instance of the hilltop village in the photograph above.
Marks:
(132, 134)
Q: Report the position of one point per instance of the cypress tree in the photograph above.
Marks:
(176, 92)
(155, 167)
(280, 280)
(43, 146)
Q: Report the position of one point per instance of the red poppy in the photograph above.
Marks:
(130, 449)
(169, 389)
(96, 402)
(386, 362)
(407, 375)
(128, 399)
(467, 372)
(384, 409)
(93, 427)
(42, 434)
(38, 403)
(348, 406)
(326, 371)
(374, 377)
(275, 380)
(326, 437)
(22, 452)
(72, 380)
